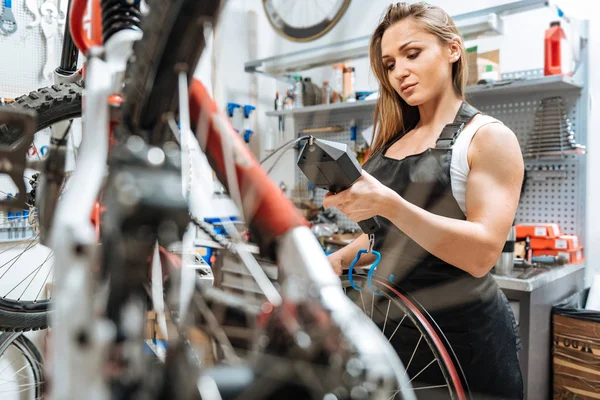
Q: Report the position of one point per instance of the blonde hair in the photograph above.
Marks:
(392, 114)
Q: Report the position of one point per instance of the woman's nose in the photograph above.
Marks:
(400, 73)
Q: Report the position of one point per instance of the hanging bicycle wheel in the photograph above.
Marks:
(21, 368)
(306, 20)
(26, 266)
(430, 363)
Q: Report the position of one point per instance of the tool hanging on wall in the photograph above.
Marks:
(8, 24)
(553, 133)
(32, 6)
(51, 17)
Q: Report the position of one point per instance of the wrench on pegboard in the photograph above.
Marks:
(8, 24)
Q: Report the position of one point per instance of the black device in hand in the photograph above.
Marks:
(330, 165)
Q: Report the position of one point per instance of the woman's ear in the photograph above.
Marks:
(454, 48)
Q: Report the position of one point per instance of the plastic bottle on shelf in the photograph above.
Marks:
(317, 91)
(326, 93)
(288, 102)
(352, 96)
(338, 71)
(298, 92)
(557, 58)
(308, 95)
(278, 104)
(347, 83)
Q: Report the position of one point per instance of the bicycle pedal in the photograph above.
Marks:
(13, 158)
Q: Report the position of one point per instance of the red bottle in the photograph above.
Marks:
(552, 49)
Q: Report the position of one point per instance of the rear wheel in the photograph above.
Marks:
(430, 363)
(26, 265)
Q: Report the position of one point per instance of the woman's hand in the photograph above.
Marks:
(363, 200)
(336, 263)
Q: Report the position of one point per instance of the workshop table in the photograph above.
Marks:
(535, 297)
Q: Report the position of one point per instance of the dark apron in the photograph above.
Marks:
(473, 313)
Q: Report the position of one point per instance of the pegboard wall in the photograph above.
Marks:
(554, 191)
(363, 119)
(24, 52)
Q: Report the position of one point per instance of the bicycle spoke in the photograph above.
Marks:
(20, 369)
(387, 313)
(421, 371)
(23, 280)
(431, 387)
(413, 355)
(363, 302)
(29, 247)
(44, 284)
(10, 248)
(30, 205)
(32, 279)
(396, 330)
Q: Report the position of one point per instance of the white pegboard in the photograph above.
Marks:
(24, 52)
(555, 188)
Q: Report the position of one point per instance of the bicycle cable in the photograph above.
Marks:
(283, 148)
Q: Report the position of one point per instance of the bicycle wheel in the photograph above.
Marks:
(21, 368)
(395, 311)
(25, 264)
(173, 41)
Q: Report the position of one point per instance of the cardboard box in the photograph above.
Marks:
(563, 242)
(472, 70)
(575, 357)
(477, 62)
(547, 231)
(574, 256)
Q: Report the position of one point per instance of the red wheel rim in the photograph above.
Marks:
(454, 376)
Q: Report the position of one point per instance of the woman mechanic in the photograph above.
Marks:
(445, 180)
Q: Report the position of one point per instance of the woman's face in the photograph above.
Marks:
(418, 65)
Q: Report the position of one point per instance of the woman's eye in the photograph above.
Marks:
(414, 55)
(389, 67)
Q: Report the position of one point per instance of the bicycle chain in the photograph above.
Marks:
(209, 229)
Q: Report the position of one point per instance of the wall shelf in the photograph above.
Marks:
(544, 84)
(283, 66)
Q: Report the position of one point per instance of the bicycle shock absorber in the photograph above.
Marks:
(118, 15)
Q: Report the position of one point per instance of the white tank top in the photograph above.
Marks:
(459, 167)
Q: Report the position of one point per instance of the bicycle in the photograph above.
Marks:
(151, 97)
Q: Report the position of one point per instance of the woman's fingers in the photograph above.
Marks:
(332, 199)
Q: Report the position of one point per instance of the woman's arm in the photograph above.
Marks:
(341, 259)
(492, 197)
(493, 189)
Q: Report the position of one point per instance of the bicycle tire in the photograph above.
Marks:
(173, 40)
(53, 104)
(31, 354)
(433, 335)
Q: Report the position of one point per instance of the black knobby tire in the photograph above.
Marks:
(53, 104)
(173, 40)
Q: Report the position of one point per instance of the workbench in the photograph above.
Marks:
(532, 300)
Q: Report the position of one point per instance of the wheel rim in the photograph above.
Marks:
(26, 265)
(365, 299)
(21, 370)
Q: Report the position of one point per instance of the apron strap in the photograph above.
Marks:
(451, 131)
